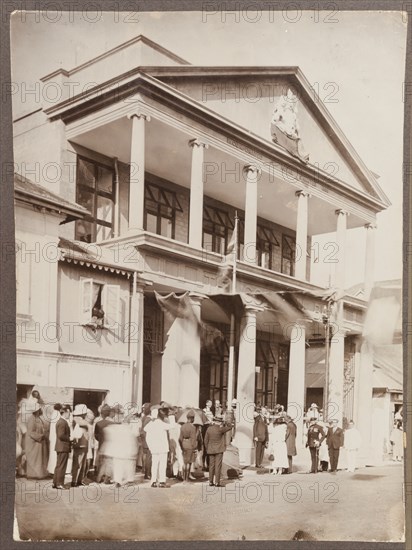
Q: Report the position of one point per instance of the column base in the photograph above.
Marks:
(246, 456)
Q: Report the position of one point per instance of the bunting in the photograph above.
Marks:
(228, 264)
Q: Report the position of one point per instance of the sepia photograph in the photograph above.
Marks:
(208, 212)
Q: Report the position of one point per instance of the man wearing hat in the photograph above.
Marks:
(315, 437)
(313, 412)
(62, 447)
(146, 455)
(334, 441)
(188, 442)
(290, 441)
(80, 445)
(215, 447)
(260, 437)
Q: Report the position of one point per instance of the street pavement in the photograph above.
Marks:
(363, 506)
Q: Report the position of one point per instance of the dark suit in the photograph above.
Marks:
(215, 447)
(315, 437)
(291, 442)
(62, 449)
(334, 441)
(147, 455)
(260, 431)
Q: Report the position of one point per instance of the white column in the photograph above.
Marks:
(369, 258)
(341, 244)
(296, 384)
(336, 378)
(137, 168)
(196, 193)
(251, 172)
(136, 342)
(116, 222)
(246, 387)
(364, 408)
(189, 379)
(301, 235)
(170, 369)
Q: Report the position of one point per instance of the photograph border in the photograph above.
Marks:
(7, 269)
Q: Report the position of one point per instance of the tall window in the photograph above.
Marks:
(265, 247)
(288, 255)
(95, 192)
(214, 368)
(217, 229)
(160, 207)
(265, 383)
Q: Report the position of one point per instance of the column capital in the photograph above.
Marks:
(198, 142)
(253, 309)
(141, 286)
(303, 193)
(139, 115)
(341, 212)
(370, 225)
(252, 168)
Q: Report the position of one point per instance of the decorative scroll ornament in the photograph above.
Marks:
(285, 128)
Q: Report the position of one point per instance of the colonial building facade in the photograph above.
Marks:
(140, 163)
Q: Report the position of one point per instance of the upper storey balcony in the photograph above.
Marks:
(165, 158)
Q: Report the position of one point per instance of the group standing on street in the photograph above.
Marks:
(164, 441)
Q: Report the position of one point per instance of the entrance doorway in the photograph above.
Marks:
(265, 378)
(314, 395)
(91, 398)
(214, 366)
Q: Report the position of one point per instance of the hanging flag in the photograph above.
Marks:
(383, 316)
(176, 306)
(228, 264)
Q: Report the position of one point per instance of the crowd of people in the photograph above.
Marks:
(276, 431)
(163, 441)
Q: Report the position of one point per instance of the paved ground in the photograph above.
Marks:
(365, 505)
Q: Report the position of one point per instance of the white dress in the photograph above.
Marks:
(51, 465)
(277, 445)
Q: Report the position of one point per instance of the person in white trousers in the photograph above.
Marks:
(352, 442)
(157, 439)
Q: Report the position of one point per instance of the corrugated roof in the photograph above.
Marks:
(26, 189)
(91, 255)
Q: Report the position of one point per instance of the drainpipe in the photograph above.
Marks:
(133, 348)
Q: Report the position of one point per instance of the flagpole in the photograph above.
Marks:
(231, 366)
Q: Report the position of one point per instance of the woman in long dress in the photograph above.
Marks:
(277, 445)
(396, 438)
(37, 448)
(53, 416)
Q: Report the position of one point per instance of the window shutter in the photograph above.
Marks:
(86, 299)
(111, 305)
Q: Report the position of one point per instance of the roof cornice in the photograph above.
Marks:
(137, 81)
(109, 53)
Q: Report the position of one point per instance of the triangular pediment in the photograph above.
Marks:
(249, 97)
